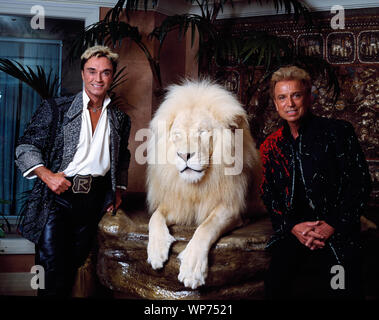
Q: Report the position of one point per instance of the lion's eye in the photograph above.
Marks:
(176, 135)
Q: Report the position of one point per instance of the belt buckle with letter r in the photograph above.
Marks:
(82, 184)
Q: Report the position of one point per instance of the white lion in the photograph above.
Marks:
(203, 163)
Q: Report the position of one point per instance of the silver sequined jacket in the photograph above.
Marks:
(51, 138)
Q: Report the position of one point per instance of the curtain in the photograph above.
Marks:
(17, 104)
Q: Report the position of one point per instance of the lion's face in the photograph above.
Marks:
(191, 144)
(200, 132)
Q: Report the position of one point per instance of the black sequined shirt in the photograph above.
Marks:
(331, 180)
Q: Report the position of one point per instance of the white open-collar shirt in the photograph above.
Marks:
(92, 154)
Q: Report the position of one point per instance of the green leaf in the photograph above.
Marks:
(44, 85)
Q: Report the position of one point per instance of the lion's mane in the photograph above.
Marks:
(190, 203)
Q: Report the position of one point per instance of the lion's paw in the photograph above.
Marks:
(158, 249)
(193, 267)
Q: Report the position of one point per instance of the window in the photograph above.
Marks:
(17, 104)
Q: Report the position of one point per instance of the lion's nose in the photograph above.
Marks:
(186, 156)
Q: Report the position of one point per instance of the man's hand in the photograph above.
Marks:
(307, 234)
(324, 230)
(119, 194)
(55, 181)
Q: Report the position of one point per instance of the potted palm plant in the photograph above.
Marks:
(252, 50)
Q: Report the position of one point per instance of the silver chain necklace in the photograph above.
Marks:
(94, 110)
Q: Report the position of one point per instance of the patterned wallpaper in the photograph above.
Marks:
(354, 54)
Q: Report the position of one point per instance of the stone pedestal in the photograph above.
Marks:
(237, 262)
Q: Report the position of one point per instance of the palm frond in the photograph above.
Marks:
(3, 217)
(210, 9)
(127, 5)
(265, 49)
(104, 33)
(316, 67)
(119, 78)
(182, 23)
(260, 49)
(298, 8)
(227, 50)
(43, 84)
(23, 199)
(112, 30)
(113, 33)
(254, 49)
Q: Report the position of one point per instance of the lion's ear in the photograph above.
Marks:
(170, 123)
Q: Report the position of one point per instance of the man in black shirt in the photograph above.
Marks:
(315, 187)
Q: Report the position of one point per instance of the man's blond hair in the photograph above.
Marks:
(99, 51)
(290, 73)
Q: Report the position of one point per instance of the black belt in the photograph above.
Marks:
(83, 184)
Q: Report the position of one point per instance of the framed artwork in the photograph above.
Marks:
(310, 44)
(340, 47)
(368, 46)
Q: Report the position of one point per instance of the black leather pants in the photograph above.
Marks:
(68, 237)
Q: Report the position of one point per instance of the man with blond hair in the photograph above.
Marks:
(77, 149)
(316, 185)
